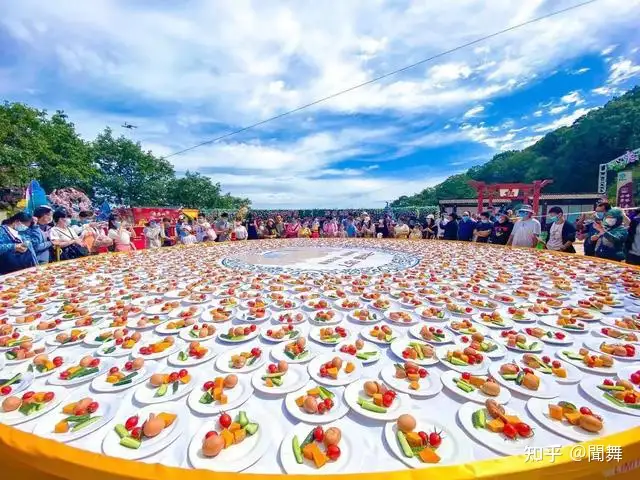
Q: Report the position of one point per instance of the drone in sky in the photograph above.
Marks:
(129, 126)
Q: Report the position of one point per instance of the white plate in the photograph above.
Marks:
(546, 389)
(398, 347)
(51, 341)
(365, 333)
(478, 368)
(594, 345)
(106, 410)
(494, 441)
(478, 328)
(99, 384)
(359, 304)
(500, 352)
(583, 366)
(104, 366)
(589, 386)
(343, 378)
(277, 352)
(448, 380)
(455, 447)
(276, 317)
(34, 336)
(66, 360)
(414, 318)
(15, 417)
(118, 352)
(246, 338)
(207, 318)
(350, 456)
(367, 347)
(191, 361)
(539, 410)
(90, 340)
(162, 329)
(508, 323)
(155, 356)
(573, 374)
(111, 443)
(415, 332)
(376, 317)
(222, 363)
(314, 334)
(551, 322)
(145, 393)
(429, 386)
(245, 316)
(529, 341)
(339, 410)
(175, 314)
(599, 334)
(175, 294)
(355, 391)
(184, 334)
(236, 396)
(295, 378)
(263, 333)
(611, 322)
(338, 317)
(624, 372)
(237, 457)
(133, 322)
(528, 318)
(567, 340)
(25, 381)
(420, 310)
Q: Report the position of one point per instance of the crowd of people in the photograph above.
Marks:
(48, 235)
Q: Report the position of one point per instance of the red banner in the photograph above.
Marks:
(142, 215)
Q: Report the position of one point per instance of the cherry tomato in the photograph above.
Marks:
(57, 361)
(225, 420)
(424, 437)
(586, 411)
(510, 431)
(49, 396)
(131, 422)
(95, 362)
(328, 403)
(208, 385)
(333, 452)
(211, 434)
(466, 376)
(137, 433)
(629, 398)
(93, 407)
(435, 439)
(318, 434)
(183, 373)
(128, 366)
(321, 408)
(173, 377)
(113, 370)
(387, 400)
(523, 430)
(423, 373)
(635, 378)
(5, 390)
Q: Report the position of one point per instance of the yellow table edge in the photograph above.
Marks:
(27, 456)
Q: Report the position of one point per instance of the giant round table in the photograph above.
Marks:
(467, 282)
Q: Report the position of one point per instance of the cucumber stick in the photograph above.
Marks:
(372, 407)
(297, 451)
(86, 423)
(404, 445)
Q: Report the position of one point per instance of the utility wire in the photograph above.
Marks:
(381, 77)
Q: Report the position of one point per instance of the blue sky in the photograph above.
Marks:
(190, 70)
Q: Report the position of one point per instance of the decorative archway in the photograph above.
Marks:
(511, 191)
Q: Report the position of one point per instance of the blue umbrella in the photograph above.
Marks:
(35, 197)
(105, 211)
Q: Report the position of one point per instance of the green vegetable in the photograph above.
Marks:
(572, 355)
(297, 451)
(125, 380)
(106, 351)
(206, 398)
(78, 418)
(326, 393)
(404, 445)
(29, 408)
(464, 386)
(121, 431)
(242, 419)
(251, 361)
(251, 428)
(83, 372)
(162, 390)
(519, 377)
(509, 376)
(183, 357)
(567, 405)
(12, 380)
(372, 407)
(86, 423)
(366, 355)
(479, 418)
(175, 387)
(277, 381)
(130, 442)
(458, 362)
(309, 438)
(610, 388)
(273, 375)
(193, 334)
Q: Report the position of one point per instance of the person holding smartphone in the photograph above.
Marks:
(593, 229)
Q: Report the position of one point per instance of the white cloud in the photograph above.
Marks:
(565, 121)
(580, 71)
(608, 51)
(538, 113)
(474, 112)
(558, 109)
(572, 98)
(622, 70)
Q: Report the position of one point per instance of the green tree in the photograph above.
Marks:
(198, 191)
(128, 175)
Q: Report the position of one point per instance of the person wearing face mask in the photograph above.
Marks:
(466, 226)
(120, 234)
(153, 234)
(591, 230)
(612, 236)
(401, 230)
(562, 233)
(66, 241)
(483, 228)
(16, 251)
(502, 229)
(38, 233)
(450, 227)
(526, 231)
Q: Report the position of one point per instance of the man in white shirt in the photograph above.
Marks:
(525, 231)
(189, 238)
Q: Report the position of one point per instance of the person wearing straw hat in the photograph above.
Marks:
(525, 231)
